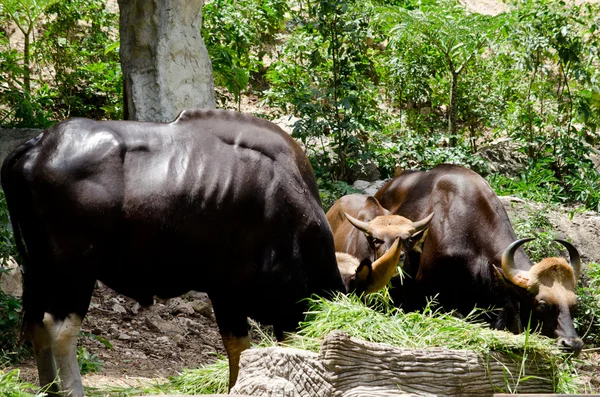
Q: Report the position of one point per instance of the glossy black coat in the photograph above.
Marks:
(215, 201)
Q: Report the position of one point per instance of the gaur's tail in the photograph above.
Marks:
(11, 183)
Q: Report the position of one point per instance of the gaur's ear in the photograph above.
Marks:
(416, 241)
(504, 281)
(500, 276)
(371, 209)
(363, 272)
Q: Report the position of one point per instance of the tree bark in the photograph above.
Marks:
(452, 109)
(26, 64)
(165, 64)
(349, 367)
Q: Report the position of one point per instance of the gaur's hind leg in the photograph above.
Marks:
(42, 348)
(62, 319)
(233, 326)
(234, 345)
(63, 334)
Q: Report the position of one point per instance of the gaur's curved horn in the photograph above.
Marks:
(574, 257)
(360, 225)
(418, 225)
(384, 268)
(516, 276)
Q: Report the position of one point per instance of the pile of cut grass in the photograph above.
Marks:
(374, 319)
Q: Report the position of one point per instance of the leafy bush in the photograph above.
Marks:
(587, 318)
(80, 45)
(330, 191)
(527, 73)
(325, 75)
(431, 48)
(537, 183)
(404, 149)
(536, 224)
(88, 362)
(10, 307)
(19, 108)
(70, 68)
(10, 320)
(237, 35)
(542, 183)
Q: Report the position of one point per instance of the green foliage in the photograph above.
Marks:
(10, 307)
(548, 56)
(19, 107)
(88, 362)
(537, 225)
(438, 37)
(548, 46)
(12, 386)
(325, 75)
(413, 151)
(331, 190)
(8, 247)
(380, 321)
(25, 14)
(10, 320)
(529, 73)
(70, 69)
(237, 35)
(541, 183)
(80, 42)
(587, 318)
(209, 379)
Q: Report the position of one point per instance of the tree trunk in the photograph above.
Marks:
(350, 367)
(165, 63)
(26, 64)
(452, 109)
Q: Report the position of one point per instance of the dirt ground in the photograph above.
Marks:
(147, 343)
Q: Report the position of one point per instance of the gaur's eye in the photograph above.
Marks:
(402, 256)
(377, 241)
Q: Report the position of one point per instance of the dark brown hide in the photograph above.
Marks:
(462, 253)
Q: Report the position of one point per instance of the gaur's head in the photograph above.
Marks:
(381, 229)
(367, 277)
(549, 286)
